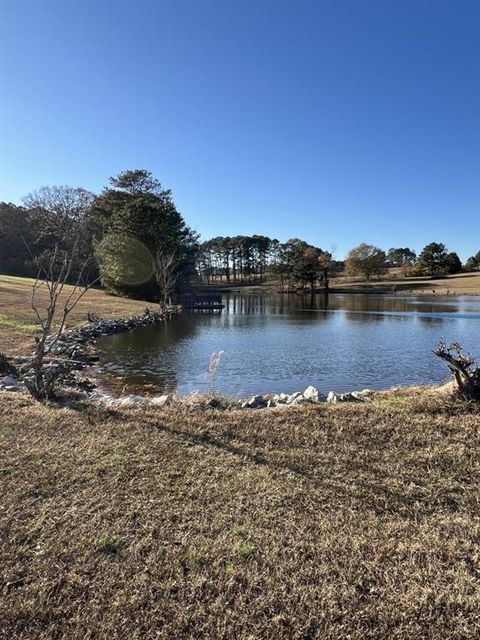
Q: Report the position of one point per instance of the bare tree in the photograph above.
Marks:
(463, 368)
(166, 275)
(52, 277)
(58, 211)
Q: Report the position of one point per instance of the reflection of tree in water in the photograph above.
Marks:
(135, 354)
(272, 303)
(259, 332)
(278, 304)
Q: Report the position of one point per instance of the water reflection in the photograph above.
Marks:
(286, 342)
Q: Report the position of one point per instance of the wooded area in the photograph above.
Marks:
(134, 240)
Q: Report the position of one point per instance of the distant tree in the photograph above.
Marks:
(239, 258)
(328, 267)
(473, 263)
(282, 261)
(16, 238)
(366, 260)
(402, 257)
(453, 264)
(307, 266)
(303, 262)
(433, 258)
(58, 213)
(136, 206)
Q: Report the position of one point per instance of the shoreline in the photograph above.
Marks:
(379, 291)
(462, 284)
(76, 353)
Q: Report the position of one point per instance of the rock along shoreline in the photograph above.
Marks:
(74, 352)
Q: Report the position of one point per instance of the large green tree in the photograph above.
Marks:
(433, 259)
(138, 218)
(402, 257)
(473, 263)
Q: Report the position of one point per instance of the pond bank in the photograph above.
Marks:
(75, 355)
(75, 351)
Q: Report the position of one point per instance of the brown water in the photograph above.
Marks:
(275, 343)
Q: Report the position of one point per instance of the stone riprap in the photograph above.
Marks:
(74, 351)
(268, 401)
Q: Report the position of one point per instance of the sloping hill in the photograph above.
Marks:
(17, 318)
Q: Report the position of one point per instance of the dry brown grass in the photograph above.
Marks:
(319, 522)
(17, 318)
(459, 284)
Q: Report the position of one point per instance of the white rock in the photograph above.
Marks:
(359, 396)
(365, 392)
(131, 400)
(332, 397)
(160, 401)
(255, 402)
(293, 397)
(10, 381)
(311, 393)
(348, 397)
(300, 400)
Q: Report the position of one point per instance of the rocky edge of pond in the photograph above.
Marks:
(311, 395)
(90, 392)
(73, 353)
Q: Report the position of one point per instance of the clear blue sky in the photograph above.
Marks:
(337, 122)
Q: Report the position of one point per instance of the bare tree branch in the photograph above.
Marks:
(166, 274)
(56, 274)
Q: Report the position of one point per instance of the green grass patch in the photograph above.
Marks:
(8, 321)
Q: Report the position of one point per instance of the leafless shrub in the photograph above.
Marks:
(462, 365)
(53, 275)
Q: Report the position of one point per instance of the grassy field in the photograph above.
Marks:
(460, 284)
(316, 522)
(17, 318)
(393, 282)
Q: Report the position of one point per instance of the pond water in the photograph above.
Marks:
(273, 343)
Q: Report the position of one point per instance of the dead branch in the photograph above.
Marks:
(464, 370)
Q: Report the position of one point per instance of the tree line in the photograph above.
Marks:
(253, 259)
(132, 238)
(126, 236)
(434, 260)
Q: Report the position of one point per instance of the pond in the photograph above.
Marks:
(283, 343)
